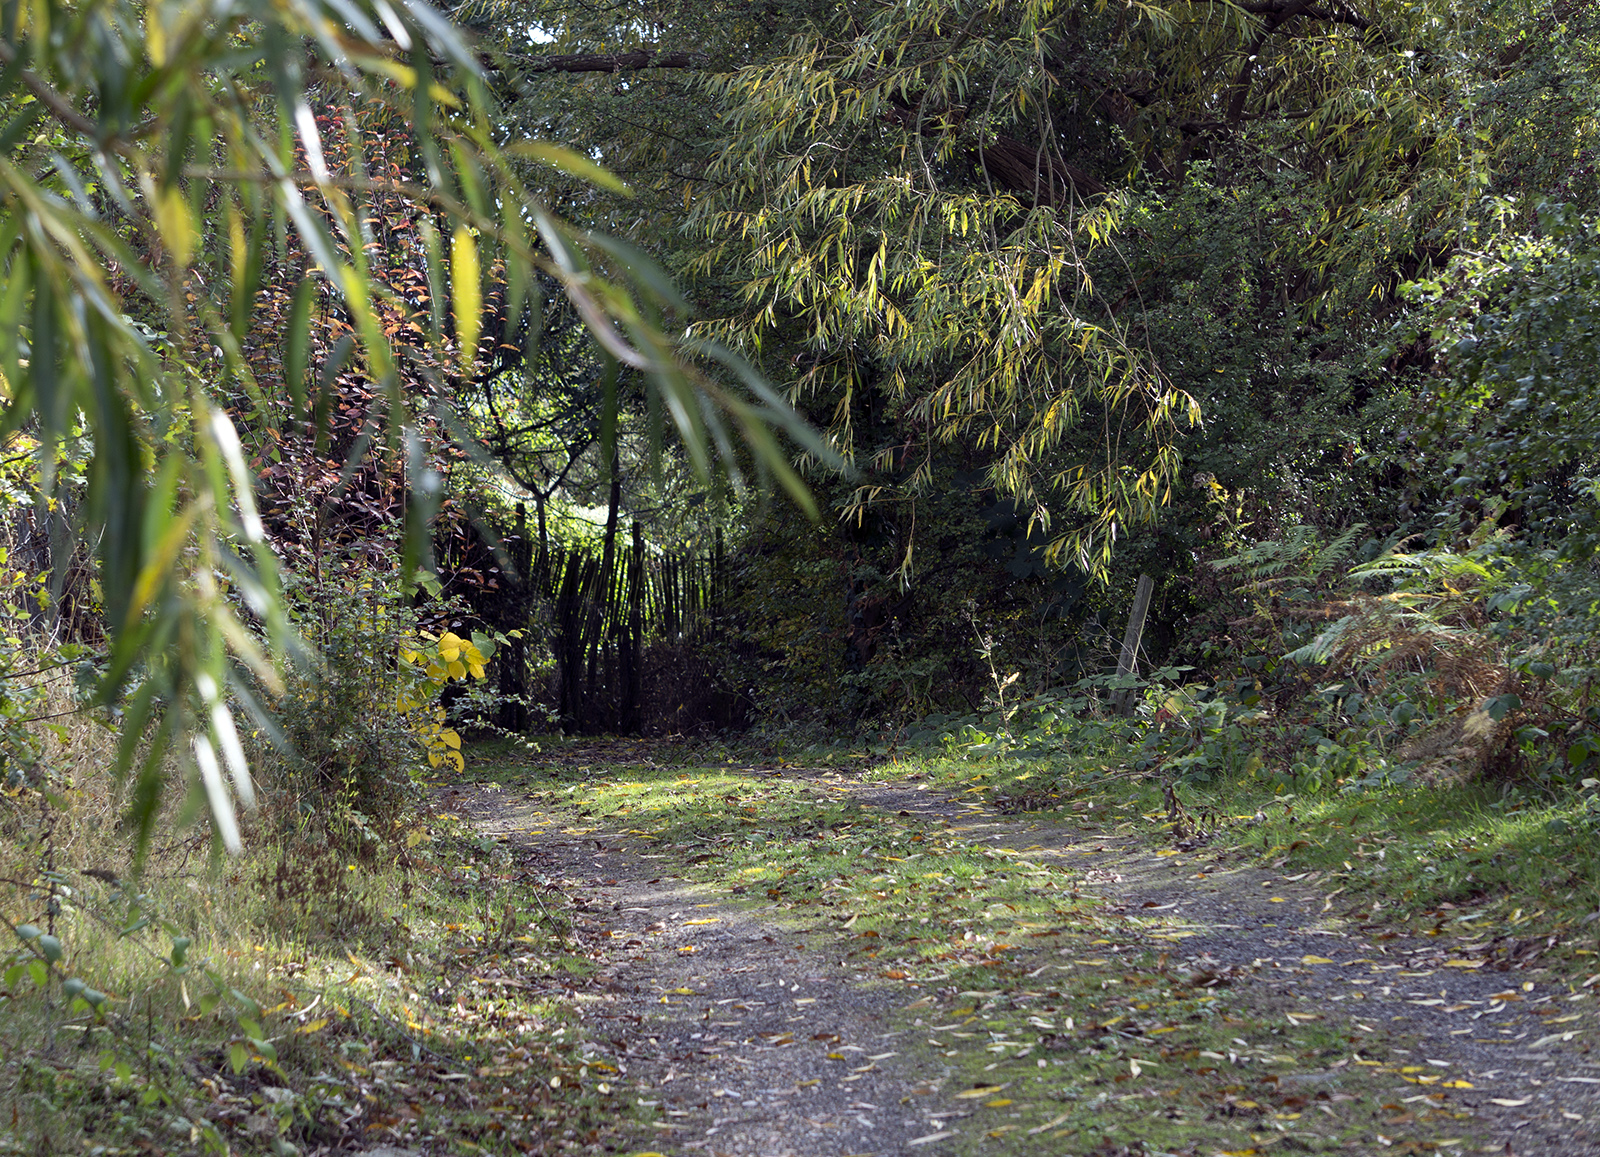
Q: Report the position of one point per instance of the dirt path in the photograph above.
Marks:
(748, 1031)
(748, 1040)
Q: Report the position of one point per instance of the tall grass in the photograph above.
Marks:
(316, 990)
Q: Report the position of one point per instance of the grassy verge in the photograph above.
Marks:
(291, 998)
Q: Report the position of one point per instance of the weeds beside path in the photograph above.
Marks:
(818, 962)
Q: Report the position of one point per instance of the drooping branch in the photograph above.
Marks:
(1036, 173)
(647, 56)
(1278, 15)
(1283, 9)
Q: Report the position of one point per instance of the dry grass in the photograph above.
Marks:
(288, 907)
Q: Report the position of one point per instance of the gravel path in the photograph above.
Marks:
(749, 1041)
(750, 1038)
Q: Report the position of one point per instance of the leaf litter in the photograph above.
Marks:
(815, 963)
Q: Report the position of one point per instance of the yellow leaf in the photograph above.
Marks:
(1315, 960)
(176, 223)
(450, 738)
(476, 670)
(981, 1091)
(155, 36)
(457, 670)
(997, 1103)
(467, 293)
(319, 1023)
(570, 162)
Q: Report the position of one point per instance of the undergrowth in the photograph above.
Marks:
(289, 999)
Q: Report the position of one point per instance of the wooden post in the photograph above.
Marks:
(632, 642)
(512, 659)
(1128, 662)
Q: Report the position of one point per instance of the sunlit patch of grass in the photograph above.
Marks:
(1128, 1053)
(1468, 858)
(1482, 859)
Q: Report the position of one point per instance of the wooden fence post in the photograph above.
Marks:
(1128, 662)
(632, 644)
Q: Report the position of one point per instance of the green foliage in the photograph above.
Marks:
(896, 266)
(1511, 430)
(134, 238)
(361, 722)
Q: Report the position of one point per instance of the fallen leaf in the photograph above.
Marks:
(940, 1136)
(1051, 1124)
(980, 1091)
(1552, 1039)
(1508, 1103)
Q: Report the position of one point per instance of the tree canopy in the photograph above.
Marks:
(1075, 291)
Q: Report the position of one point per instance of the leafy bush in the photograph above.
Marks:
(360, 724)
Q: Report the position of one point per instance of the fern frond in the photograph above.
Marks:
(1331, 555)
(1322, 648)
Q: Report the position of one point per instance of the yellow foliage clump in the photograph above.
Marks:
(435, 662)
